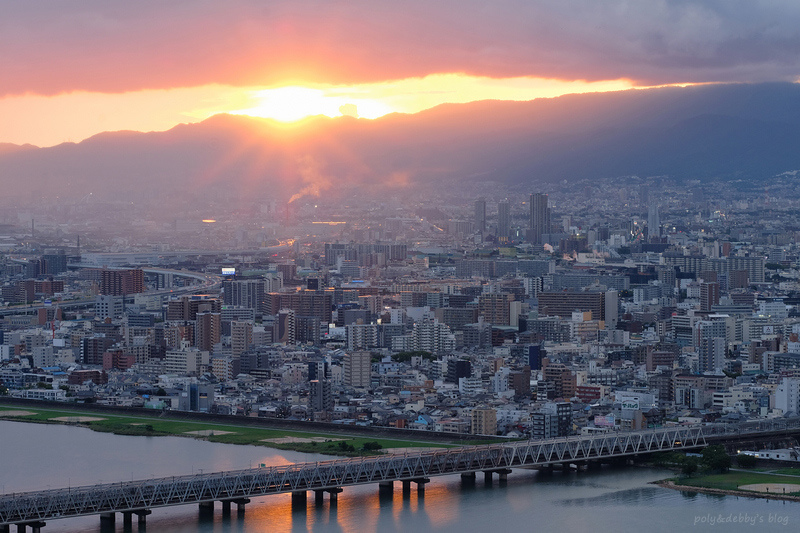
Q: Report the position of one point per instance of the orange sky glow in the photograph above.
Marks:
(71, 70)
(72, 117)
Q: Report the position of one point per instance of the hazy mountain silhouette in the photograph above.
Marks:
(702, 132)
(6, 148)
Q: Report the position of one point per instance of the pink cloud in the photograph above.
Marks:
(47, 47)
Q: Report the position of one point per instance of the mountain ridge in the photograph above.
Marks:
(699, 132)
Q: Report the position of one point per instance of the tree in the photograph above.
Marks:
(689, 466)
(372, 446)
(716, 459)
(161, 392)
(746, 461)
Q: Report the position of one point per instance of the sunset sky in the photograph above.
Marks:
(69, 70)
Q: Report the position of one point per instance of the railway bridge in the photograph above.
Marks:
(33, 509)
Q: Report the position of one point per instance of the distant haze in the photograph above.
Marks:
(700, 132)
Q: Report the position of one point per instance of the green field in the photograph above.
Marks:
(328, 443)
(734, 479)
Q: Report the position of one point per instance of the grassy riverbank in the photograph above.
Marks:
(772, 485)
(733, 480)
(310, 442)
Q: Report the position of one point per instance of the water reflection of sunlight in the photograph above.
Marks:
(361, 509)
(439, 506)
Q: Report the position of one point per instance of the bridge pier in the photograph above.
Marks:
(36, 527)
(240, 503)
(502, 475)
(468, 480)
(385, 489)
(420, 481)
(334, 494)
(579, 466)
(108, 518)
(141, 514)
(206, 507)
(226, 507)
(319, 495)
(299, 498)
(5, 528)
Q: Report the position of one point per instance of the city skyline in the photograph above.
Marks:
(436, 240)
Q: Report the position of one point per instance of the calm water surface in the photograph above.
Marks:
(34, 456)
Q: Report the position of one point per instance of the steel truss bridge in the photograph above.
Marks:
(138, 497)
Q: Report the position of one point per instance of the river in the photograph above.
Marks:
(37, 456)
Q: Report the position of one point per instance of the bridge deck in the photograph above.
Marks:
(242, 484)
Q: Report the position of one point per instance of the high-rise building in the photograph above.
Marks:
(304, 303)
(602, 304)
(504, 221)
(307, 329)
(362, 336)
(187, 360)
(244, 293)
(358, 369)
(787, 396)
(432, 336)
(539, 218)
(93, 348)
(562, 411)
(225, 367)
(711, 342)
(653, 220)
(562, 377)
(286, 327)
(187, 307)
(495, 308)
(709, 295)
(535, 356)
(122, 282)
(108, 306)
(320, 398)
(207, 330)
(480, 215)
(241, 337)
(484, 421)
(54, 263)
(666, 275)
(232, 313)
(457, 369)
(319, 369)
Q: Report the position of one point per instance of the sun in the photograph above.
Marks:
(291, 103)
